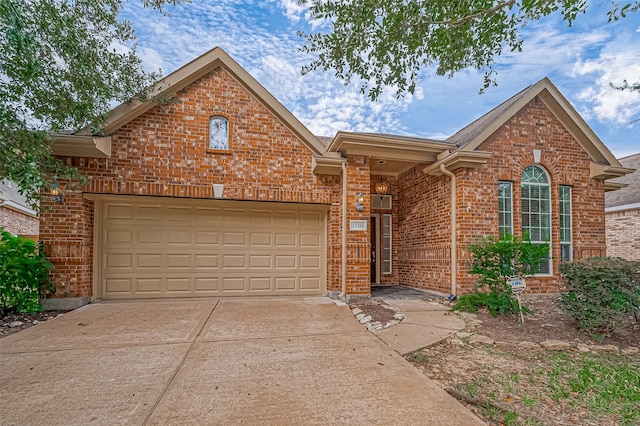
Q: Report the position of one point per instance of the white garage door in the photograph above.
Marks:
(153, 247)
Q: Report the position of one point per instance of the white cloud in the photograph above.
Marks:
(615, 64)
(292, 9)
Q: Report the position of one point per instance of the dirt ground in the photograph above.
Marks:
(506, 384)
(16, 322)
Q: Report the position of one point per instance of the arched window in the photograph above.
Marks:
(536, 208)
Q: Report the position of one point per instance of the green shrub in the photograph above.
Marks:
(603, 294)
(23, 274)
(494, 261)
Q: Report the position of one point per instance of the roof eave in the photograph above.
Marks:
(81, 146)
(605, 171)
(457, 160)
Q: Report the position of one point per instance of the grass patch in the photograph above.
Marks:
(606, 386)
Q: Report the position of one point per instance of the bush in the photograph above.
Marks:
(23, 274)
(495, 261)
(602, 293)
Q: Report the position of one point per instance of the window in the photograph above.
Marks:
(386, 243)
(566, 246)
(505, 209)
(536, 209)
(218, 133)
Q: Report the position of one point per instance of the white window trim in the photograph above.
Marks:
(570, 242)
(550, 242)
(388, 217)
(510, 205)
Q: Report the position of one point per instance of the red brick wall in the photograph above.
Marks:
(424, 214)
(67, 233)
(18, 223)
(358, 248)
(164, 153)
(424, 224)
(623, 234)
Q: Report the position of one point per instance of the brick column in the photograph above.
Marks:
(358, 247)
(67, 233)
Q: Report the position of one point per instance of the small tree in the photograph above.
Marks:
(494, 261)
(23, 274)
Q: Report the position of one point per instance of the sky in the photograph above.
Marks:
(261, 35)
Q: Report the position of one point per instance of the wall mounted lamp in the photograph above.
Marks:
(57, 193)
(359, 202)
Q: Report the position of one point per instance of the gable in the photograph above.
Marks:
(175, 82)
(472, 136)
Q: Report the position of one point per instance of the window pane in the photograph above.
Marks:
(386, 244)
(536, 209)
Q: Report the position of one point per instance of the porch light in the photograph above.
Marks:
(382, 187)
(57, 193)
(359, 202)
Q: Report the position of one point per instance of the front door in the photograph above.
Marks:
(373, 238)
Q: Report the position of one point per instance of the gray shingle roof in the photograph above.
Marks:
(469, 132)
(9, 192)
(630, 194)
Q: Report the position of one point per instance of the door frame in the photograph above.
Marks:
(376, 232)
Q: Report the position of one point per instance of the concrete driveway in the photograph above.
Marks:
(232, 361)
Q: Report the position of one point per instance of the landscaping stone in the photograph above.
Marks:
(555, 345)
(467, 316)
(475, 322)
(463, 334)
(16, 324)
(605, 349)
(356, 311)
(525, 344)
(479, 339)
(364, 319)
(581, 347)
(454, 341)
(399, 316)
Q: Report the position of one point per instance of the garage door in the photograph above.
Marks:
(153, 247)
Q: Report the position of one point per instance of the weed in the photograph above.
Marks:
(511, 418)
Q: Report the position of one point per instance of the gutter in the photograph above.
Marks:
(454, 241)
(19, 208)
(343, 295)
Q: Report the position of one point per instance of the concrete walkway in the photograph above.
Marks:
(289, 361)
(424, 324)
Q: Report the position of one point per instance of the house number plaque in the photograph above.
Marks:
(358, 225)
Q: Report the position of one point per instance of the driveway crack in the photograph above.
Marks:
(179, 366)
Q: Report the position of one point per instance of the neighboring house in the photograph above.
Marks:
(16, 216)
(225, 192)
(623, 213)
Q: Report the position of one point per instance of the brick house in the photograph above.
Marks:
(224, 192)
(16, 216)
(622, 213)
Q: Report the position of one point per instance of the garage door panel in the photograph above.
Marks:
(149, 213)
(148, 285)
(260, 238)
(285, 240)
(286, 218)
(285, 283)
(151, 248)
(179, 236)
(233, 284)
(206, 238)
(206, 261)
(233, 238)
(119, 212)
(178, 284)
(310, 240)
(206, 285)
(285, 261)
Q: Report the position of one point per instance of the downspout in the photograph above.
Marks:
(454, 242)
(343, 295)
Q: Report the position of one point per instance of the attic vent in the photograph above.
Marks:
(381, 202)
